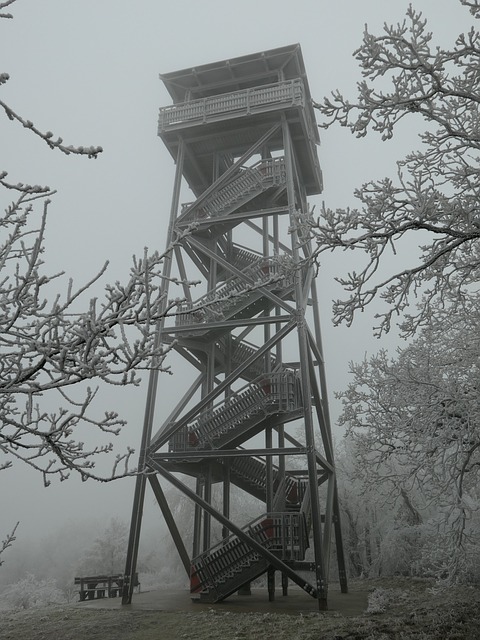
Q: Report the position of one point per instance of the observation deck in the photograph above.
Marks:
(228, 105)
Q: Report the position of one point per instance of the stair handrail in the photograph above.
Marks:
(279, 385)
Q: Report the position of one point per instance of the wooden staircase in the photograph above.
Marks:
(237, 296)
(241, 350)
(248, 183)
(235, 419)
(230, 564)
(250, 473)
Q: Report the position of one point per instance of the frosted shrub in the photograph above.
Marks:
(31, 592)
(378, 600)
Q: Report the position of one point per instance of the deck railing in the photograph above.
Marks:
(288, 93)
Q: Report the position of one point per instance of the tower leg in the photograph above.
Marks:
(320, 573)
(132, 550)
(342, 573)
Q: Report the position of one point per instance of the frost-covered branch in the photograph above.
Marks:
(48, 346)
(474, 6)
(4, 5)
(433, 200)
(9, 540)
(47, 136)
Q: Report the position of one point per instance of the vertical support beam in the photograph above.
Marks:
(207, 519)
(321, 586)
(276, 251)
(197, 521)
(139, 495)
(283, 484)
(269, 469)
(342, 572)
(269, 502)
(321, 364)
(281, 465)
(226, 495)
(327, 531)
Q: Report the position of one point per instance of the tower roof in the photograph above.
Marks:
(265, 67)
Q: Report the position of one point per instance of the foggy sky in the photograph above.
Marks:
(88, 71)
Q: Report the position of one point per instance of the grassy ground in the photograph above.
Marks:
(399, 610)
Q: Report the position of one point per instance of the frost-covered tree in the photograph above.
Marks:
(380, 535)
(30, 592)
(434, 197)
(414, 423)
(108, 551)
(52, 347)
(56, 344)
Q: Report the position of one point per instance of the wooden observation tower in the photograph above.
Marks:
(255, 419)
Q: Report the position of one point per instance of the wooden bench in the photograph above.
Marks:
(94, 587)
